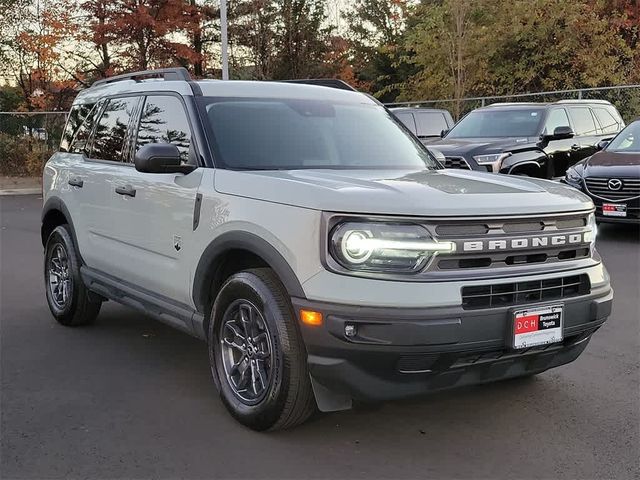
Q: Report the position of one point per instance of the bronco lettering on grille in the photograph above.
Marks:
(524, 242)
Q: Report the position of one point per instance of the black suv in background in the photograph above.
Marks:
(425, 123)
(534, 139)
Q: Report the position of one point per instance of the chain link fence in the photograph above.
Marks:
(27, 140)
(626, 99)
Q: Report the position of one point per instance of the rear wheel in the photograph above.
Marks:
(69, 300)
(257, 356)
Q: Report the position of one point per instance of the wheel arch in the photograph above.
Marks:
(530, 168)
(251, 249)
(54, 214)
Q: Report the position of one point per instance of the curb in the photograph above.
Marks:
(20, 191)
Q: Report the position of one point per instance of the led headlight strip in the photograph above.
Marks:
(384, 247)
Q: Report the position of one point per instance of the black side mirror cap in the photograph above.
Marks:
(602, 144)
(160, 158)
(443, 133)
(560, 133)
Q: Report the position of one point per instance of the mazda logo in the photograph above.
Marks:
(614, 184)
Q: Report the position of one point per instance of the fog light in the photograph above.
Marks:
(350, 330)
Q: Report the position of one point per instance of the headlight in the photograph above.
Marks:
(572, 176)
(590, 235)
(384, 247)
(494, 160)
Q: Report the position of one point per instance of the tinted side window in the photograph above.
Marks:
(582, 121)
(407, 119)
(557, 118)
(81, 137)
(607, 122)
(164, 120)
(430, 124)
(111, 131)
(76, 118)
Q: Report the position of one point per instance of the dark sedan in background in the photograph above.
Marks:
(611, 177)
(533, 139)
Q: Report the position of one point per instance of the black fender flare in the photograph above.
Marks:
(527, 157)
(56, 203)
(235, 240)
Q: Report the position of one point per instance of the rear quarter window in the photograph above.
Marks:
(608, 122)
(76, 119)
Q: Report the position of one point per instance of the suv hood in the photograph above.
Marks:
(478, 146)
(400, 192)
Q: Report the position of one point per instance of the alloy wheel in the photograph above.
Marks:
(246, 349)
(60, 281)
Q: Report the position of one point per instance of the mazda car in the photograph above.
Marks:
(611, 177)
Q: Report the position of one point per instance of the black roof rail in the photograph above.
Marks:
(324, 82)
(178, 73)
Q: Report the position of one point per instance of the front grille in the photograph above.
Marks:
(456, 162)
(600, 187)
(509, 226)
(517, 293)
(506, 260)
(490, 240)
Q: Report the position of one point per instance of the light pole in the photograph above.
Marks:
(223, 39)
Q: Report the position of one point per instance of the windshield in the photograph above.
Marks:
(628, 140)
(271, 134)
(498, 122)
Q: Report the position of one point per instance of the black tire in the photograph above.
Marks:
(287, 399)
(77, 306)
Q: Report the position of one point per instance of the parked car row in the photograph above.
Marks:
(583, 142)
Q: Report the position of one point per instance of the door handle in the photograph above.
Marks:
(75, 182)
(127, 190)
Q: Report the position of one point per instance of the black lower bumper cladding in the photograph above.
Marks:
(393, 353)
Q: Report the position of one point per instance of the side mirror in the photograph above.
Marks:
(560, 133)
(443, 133)
(602, 144)
(160, 158)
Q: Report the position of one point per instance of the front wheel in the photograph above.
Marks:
(257, 356)
(69, 300)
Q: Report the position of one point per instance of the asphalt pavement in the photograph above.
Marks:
(131, 398)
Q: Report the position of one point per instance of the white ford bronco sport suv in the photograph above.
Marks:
(313, 242)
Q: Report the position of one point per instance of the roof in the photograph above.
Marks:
(418, 109)
(178, 80)
(547, 104)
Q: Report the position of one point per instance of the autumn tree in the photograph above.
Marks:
(34, 47)
(148, 33)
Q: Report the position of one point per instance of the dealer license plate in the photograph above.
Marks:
(537, 326)
(614, 210)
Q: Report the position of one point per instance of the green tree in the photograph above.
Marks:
(445, 44)
(376, 30)
(553, 44)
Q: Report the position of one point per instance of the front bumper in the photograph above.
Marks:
(404, 352)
